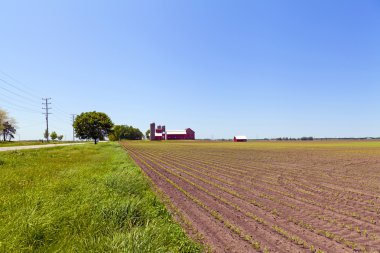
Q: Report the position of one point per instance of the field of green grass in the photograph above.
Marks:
(83, 198)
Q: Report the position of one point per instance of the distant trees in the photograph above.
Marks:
(7, 126)
(53, 136)
(125, 132)
(295, 139)
(92, 125)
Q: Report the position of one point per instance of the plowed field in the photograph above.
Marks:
(271, 196)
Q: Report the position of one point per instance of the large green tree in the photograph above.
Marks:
(92, 125)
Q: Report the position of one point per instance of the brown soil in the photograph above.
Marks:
(288, 199)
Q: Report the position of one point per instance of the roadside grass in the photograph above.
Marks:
(82, 198)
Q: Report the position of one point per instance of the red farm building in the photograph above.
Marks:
(160, 133)
(240, 138)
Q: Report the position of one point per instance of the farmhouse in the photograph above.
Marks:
(160, 133)
(240, 138)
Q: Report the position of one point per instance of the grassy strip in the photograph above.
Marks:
(79, 199)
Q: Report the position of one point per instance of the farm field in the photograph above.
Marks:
(82, 198)
(320, 196)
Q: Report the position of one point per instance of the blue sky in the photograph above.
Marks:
(258, 68)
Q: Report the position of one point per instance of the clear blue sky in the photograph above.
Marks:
(257, 68)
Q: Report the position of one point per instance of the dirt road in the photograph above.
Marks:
(36, 146)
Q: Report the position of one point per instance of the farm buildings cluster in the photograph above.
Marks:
(160, 133)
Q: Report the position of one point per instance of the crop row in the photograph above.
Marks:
(353, 214)
(293, 238)
(291, 196)
(301, 223)
(328, 193)
(235, 229)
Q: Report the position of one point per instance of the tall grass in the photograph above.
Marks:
(85, 198)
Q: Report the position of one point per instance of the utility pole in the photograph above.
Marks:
(73, 115)
(47, 108)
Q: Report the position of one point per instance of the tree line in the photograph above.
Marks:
(88, 125)
(98, 125)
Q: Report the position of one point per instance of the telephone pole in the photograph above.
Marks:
(47, 108)
(73, 115)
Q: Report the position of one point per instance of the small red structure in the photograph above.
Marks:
(160, 133)
(240, 138)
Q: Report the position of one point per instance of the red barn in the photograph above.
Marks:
(160, 133)
(240, 138)
(187, 134)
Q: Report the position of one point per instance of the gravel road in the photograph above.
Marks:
(36, 146)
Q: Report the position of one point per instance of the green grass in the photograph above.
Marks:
(84, 198)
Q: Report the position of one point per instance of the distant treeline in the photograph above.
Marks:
(125, 132)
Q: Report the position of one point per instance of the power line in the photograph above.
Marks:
(17, 81)
(14, 93)
(26, 98)
(29, 93)
(31, 125)
(47, 108)
(12, 104)
(19, 101)
(60, 109)
(62, 119)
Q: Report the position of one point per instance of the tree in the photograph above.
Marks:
(9, 129)
(92, 125)
(7, 125)
(147, 134)
(60, 137)
(53, 135)
(112, 137)
(119, 132)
